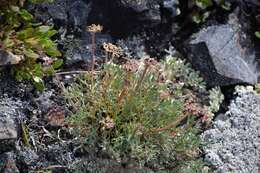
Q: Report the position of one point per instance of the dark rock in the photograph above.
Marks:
(56, 11)
(149, 9)
(78, 12)
(78, 50)
(126, 16)
(118, 16)
(11, 88)
(172, 7)
(224, 54)
(252, 2)
(63, 12)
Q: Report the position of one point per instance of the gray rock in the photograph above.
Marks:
(224, 54)
(234, 142)
(9, 112)
(8, 58)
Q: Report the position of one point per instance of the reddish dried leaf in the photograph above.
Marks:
(56, 117)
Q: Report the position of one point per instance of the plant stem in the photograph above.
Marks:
(93, 51)
(142, 77)
(172, 125)
(93, 58)
(106, 58)
(72, 72)
(112, 57)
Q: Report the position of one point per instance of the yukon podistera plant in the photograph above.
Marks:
(137, 110)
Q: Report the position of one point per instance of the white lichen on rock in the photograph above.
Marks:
(233, 144)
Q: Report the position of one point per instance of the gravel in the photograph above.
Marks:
(233, 143)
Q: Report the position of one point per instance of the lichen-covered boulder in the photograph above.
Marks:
(233, 143)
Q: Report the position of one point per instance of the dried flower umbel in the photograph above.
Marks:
(93, 29)
(112, 51)
(107, 123)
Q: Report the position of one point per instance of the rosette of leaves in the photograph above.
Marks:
(130, 112)
(22, 36)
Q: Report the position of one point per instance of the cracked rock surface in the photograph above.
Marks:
(234, 141)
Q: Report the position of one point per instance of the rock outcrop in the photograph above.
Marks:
(224, 54)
